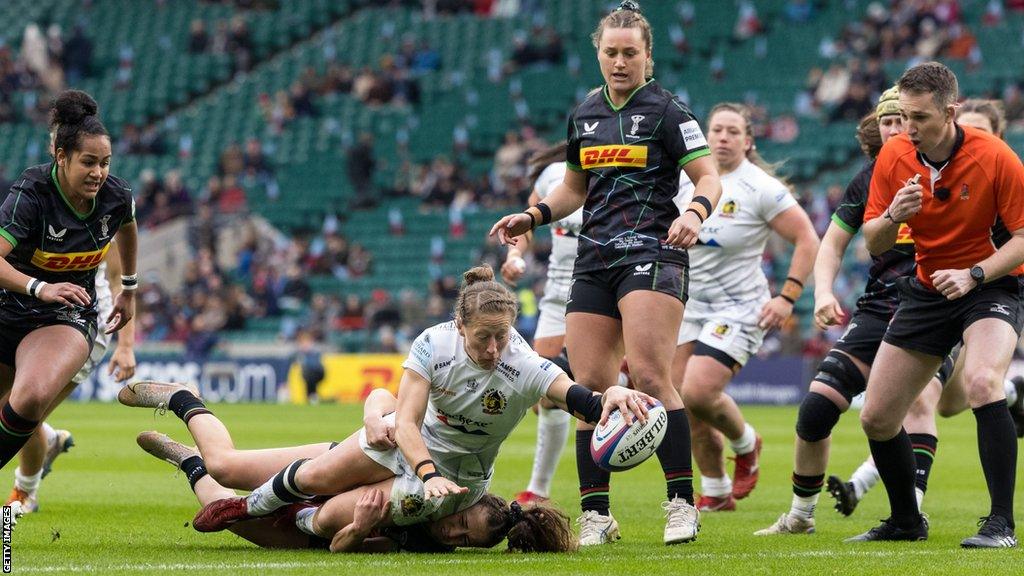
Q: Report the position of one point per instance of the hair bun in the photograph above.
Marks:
(72, 106)
(630, 5)
(478, 274)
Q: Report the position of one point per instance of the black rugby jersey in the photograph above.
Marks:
(880, 293)
(631, 156)
(52, 241)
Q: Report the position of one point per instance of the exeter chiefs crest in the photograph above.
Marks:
(412, 505)
(494, 402)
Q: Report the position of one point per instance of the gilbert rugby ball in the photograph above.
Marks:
(616, 446)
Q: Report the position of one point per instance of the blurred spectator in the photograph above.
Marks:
(798, 11)
(360, 163)
(77, 59)
(198, 39)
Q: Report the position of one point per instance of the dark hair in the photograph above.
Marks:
(480, 293)
(627, 15)
(73, 114)
(931, 78)
(544, 158)
(869, 135)
(753, 155)
(533, 528)
(991, 109)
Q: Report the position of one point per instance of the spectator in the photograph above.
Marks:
(360, 165)
(198, 39)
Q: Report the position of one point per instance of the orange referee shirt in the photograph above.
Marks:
(982, 180)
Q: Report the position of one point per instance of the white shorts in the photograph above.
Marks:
(552, 310)
(104, 306)
(731, 328)
(407, 503)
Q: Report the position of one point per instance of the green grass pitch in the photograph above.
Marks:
(109, 508)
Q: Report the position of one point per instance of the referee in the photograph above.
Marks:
(955, 187)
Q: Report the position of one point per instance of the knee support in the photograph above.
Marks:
(818, 416)
(562, 361)
(837, 371)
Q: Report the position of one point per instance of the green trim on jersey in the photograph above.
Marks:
(573, 167)
(56, 182)
(624, 104)
(7, 236)
(693, 156)
(839, 222)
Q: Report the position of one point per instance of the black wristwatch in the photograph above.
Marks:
(978, 274)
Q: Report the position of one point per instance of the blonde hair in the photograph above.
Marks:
(752, 154)
(628, 15)
(480, 293)
(991, 109)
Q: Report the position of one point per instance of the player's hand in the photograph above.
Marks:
(827, 311)
(953, 283)
(371, 509)
(774, 313)
(907, 202)
(513, 268)
(510, 227)
(379, 433)
(439, 487)
(64, 293)
(684, 230)
(630, 403)
(123, 312)
(122, 363)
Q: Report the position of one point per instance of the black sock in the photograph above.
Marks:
(924, 446)
(194, 469)
(593, 478)
(674, 455)
(894, 459)
(806, 486)
(284, 484)
(15, 430)
(185, 405)
(997, 446)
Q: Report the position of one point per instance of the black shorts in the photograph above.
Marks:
(863, 336)
(599, 292)
(19, 323)
(928, 323)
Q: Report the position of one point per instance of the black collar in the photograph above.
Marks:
(956, 148)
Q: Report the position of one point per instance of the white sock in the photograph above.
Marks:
(864, 478)
(27, 483)
(1011, 392)
(920, 497)
(552, 433)
(803, 506)
(716, 487)
(304, 521)
(264, 499)
(744, 444)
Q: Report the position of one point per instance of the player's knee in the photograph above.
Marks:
(817, 417)
(983, 385)
(650, 379)
(839, 372)
(878, 425)
(697, 398)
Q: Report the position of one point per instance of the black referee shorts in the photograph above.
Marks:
(599, 292)
(927, 322)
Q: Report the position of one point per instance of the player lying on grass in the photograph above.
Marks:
(362, 519)
(467, 384)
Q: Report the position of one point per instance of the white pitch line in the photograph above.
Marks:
(469, 559)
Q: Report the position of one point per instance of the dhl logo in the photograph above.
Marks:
(608, 156)
(903, 235)
(72, 261)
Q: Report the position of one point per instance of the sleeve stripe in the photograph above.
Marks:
(7, 236)
(694, 155)
(839, 222)
(573, 167)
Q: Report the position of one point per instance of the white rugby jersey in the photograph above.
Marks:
(565, 232)
(725, 264)
(471, 411)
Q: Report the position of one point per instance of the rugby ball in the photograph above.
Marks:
(617, 446)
